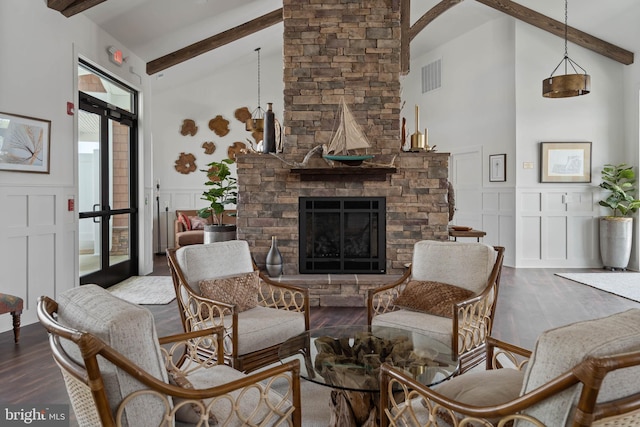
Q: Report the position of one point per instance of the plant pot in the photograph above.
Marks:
(616, 236)
(219, 233)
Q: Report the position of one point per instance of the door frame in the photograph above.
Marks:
(108, 275)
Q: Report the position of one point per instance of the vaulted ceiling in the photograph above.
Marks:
(165, 33)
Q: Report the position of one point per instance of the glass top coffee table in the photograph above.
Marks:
(349, 357)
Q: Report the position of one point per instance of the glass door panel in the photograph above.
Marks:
(90, 246)
(120, 242)
(89, 195)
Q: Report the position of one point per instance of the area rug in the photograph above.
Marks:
(145, 290)
(626, 285)
(315, 400)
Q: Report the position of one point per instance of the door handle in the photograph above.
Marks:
(96, 219)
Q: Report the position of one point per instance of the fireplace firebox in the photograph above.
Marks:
(342, 235)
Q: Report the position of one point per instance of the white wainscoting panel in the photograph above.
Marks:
(498, 220)
(531, 202)
(507, 227)
(583, 234)
(557, 228)
(38, 248)
(529, 239)
(554, 228)
(41, 267)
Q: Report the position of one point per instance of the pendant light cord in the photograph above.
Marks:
(258, 50)
(566, 25)
(567, 61)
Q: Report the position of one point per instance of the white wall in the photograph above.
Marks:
(38, 236)
(632, 111)
(491, 103)
(473, 112)
(557, 224)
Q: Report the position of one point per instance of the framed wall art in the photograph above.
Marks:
(24, 143)
(497, 168)
(565, 162)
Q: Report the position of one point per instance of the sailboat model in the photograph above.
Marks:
(348, 136)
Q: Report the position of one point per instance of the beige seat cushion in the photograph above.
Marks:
(220, 259)
(437, 327)
(442, 262)
(484, 388)
(248, 405)
(263, 327)
(558, 350)
(480, 388)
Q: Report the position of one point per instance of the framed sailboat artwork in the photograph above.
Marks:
(348, 136)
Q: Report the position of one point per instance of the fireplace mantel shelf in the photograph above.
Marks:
(339, 173)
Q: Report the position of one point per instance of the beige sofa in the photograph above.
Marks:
(184, 237)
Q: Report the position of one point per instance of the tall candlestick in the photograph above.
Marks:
(417, 139)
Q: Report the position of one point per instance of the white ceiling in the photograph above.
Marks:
(153, 28)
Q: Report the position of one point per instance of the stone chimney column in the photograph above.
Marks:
(336, 48)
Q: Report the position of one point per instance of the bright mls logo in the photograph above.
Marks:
(37, 415)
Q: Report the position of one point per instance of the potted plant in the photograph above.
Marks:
(222, 190)
(616, 230)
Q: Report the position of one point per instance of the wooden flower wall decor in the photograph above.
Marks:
(188, 127)
(235, 149)
(219, 125)
(186, 163)
(243, 115)
(209, 147)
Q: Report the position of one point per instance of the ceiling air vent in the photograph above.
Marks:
(432, 76)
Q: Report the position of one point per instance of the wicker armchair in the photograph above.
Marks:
(583, 374)
(474, 267)
(118, 373)
(252, 337)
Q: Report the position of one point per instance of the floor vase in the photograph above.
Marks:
(274, 259)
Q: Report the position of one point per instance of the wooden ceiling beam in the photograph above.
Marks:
(214, 42)
(72, 7)
(557, 28)
(430, 15)
(405, 27)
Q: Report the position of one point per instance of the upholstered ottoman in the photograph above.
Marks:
(12, 304)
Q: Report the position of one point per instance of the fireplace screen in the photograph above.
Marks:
(342, 235)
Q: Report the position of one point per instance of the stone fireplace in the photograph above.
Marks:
(334, 49)
(415, 195)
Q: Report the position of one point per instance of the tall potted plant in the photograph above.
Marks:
(222, 190)
(616, 230)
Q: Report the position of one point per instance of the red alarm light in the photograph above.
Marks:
(115, 55)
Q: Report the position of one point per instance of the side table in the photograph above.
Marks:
(466, 233)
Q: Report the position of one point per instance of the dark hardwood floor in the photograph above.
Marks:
(530, 301)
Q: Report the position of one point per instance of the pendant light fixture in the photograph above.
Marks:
(256, 122)
(567, 85)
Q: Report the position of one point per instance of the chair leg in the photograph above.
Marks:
(16, 325)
